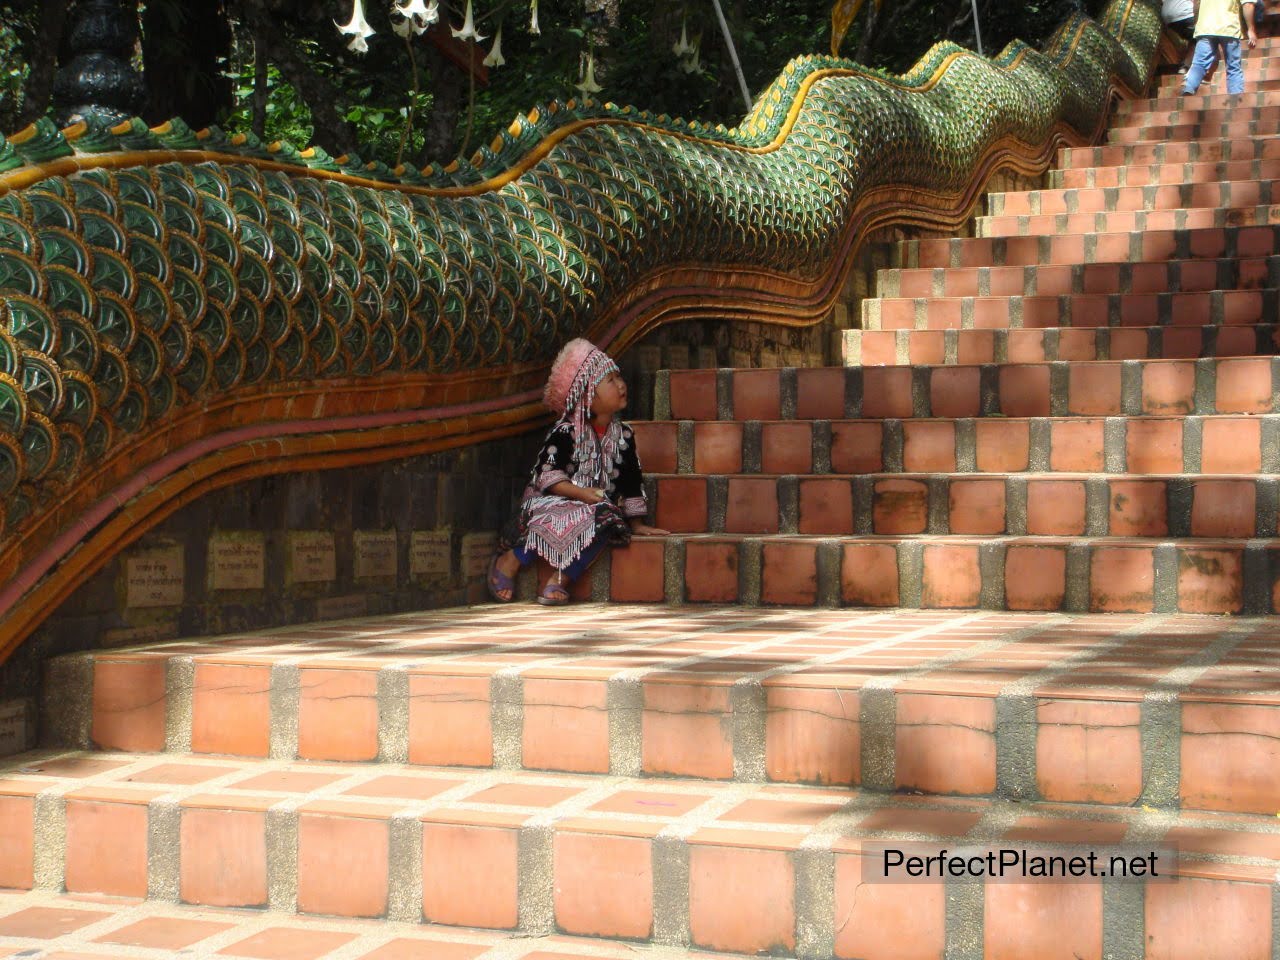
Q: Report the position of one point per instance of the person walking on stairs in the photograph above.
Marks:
(587, 490)
(1180, 17)
(1221, 25)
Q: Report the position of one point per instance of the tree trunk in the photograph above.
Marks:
(42, 57)
(448, 95)
(868, 38)
(185, 51)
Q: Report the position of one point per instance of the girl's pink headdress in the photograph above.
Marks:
(576, 372)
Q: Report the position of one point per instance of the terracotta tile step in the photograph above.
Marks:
(1206, 151)
(1142, 445)
(908, 346)
(1174, 100)
(1226, 273)
(1256, 80)
(988, 572)
(1259, 75)
(1159, 133)
(1065, 707)
(928, 497)
(1169, 196)
(1059, 389)
(1184, 313)
(1153, 173)
(60, 926)
(1195, 111)
(999, 329)
(1148, 246)
(1124, 221)
(564, 861)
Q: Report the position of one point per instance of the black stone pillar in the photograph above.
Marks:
(99, 79)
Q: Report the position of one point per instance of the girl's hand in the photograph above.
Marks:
(644, 530)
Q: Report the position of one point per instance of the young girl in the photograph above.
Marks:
(587, 491)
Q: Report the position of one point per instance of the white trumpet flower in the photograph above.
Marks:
(692, 63)
(588, 84)
(402, 27)
(495, 58)
(468, 31)
(533, 23)
(358, 28)
(683, 48)
(419, 14)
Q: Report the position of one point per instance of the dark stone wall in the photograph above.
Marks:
(462, 492)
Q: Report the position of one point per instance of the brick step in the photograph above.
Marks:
(562, 861)
(1059, 389)
(1111, 575)
(911, 346)
(1171, 100)
(929, 498)
(1195, 111)
(1059, 279)
(60, 926)
(1141, 175)
(1256, 80)
(1124, 221)
(1143, 445)
(1149, 246)
(1160, 133)
(1208, 151)
(1168, 196)
(1062, 707)
(1127, 313)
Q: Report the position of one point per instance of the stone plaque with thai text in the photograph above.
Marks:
(431, 553)
(154, 578)
(237, 561)
(16, 731)
(648, 359)
(311, 557)
(375, 553)
(341, 608)
(477, 551)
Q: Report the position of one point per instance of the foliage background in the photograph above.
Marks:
(280, 69)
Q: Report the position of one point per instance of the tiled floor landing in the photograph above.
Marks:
(1172, 711)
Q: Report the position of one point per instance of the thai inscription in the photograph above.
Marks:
(154, 578)
(375, 553)
(237, 561)
(312, 557)
(477, 550)
(16, 734)
(431, 553)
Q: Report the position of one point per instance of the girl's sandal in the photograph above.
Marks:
(553, 595)
(498, 581)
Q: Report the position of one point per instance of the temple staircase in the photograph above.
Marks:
(1047, 469)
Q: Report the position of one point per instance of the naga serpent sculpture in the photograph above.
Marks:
(183, 310)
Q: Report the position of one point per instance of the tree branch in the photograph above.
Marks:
(330, 131)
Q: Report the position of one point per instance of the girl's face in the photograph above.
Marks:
(611, 395)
